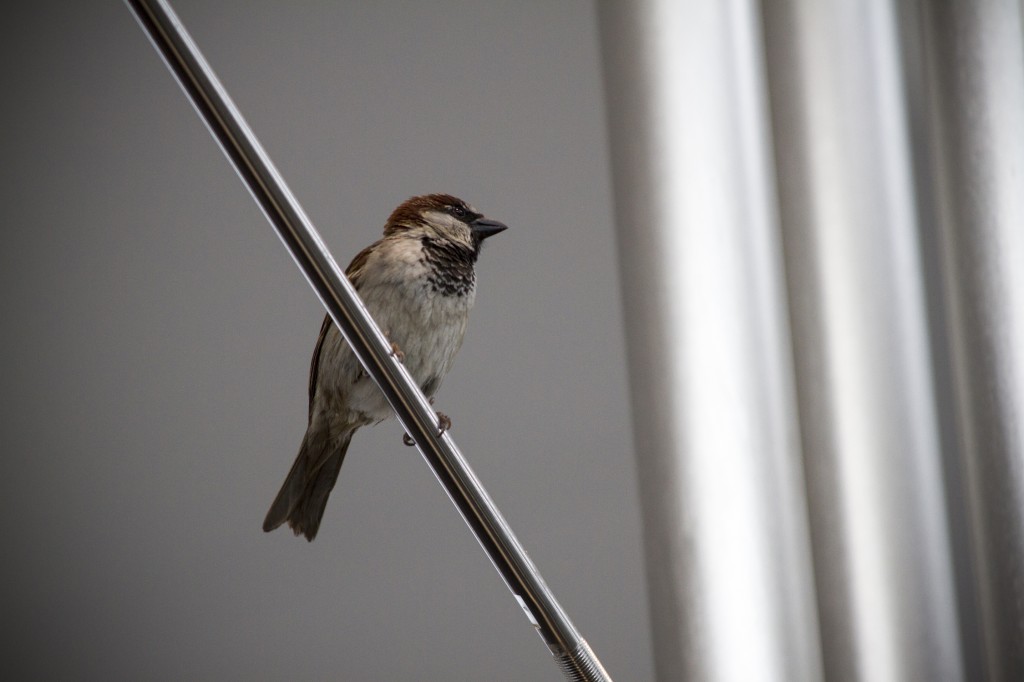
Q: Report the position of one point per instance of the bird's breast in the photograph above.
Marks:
(425, 314)
(422, 305)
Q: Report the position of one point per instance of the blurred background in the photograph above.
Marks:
(158, 336)
(745, 375)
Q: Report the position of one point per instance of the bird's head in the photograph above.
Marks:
(442, 216)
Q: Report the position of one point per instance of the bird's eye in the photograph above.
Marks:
(458, 211)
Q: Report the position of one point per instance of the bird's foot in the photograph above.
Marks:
(444, 423)
(397, 352)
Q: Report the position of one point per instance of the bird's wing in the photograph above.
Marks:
(354, 273)
(314, 365)
(355, 269)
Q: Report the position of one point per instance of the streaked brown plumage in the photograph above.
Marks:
(419, 283)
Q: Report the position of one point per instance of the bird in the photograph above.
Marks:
(418, 282)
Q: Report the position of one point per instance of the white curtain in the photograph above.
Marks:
(820, 209)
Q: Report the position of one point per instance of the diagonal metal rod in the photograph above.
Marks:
(213, 104)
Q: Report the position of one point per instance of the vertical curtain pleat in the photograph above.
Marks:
(820, 209)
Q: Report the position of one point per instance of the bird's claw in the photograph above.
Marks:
(397, 352)
(444, 423)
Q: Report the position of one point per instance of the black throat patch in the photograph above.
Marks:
(451, 266)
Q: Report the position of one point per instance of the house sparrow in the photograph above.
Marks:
(419, 283)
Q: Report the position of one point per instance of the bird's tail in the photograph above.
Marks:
(303, 496)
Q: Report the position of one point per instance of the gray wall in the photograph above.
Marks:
(157, 338)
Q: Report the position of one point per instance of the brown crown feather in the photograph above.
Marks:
(410, 213)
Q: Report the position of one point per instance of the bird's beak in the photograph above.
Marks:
(484, 228)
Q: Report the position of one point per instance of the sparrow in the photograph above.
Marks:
(419, 283)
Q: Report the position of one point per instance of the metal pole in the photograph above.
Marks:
(974, 115)
(725, 521)
(867, 407)
(197, 79)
